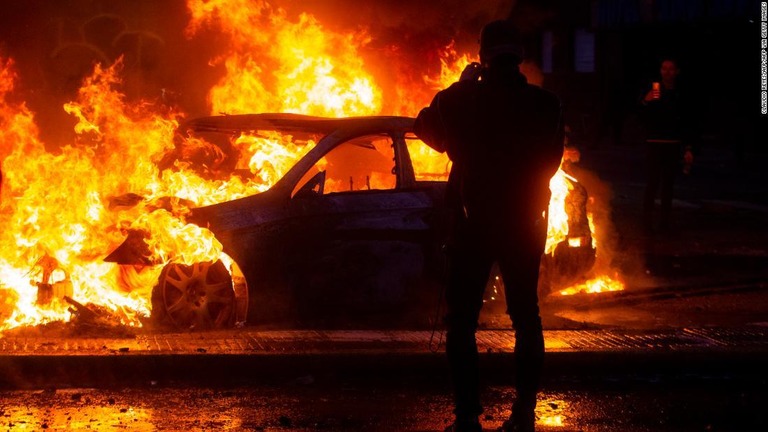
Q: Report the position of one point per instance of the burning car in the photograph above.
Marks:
(237, 236)
(348, 228)
(351, 230)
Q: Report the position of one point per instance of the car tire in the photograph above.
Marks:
(200, 296)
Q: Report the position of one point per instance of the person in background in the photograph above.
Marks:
(666, 114)
(505, 139)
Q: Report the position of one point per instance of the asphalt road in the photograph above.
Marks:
(627, 404)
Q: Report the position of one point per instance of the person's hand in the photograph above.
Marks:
(471, 72)
(654, 94)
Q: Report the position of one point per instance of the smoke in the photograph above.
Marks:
(611, 260)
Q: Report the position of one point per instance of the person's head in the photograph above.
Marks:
(669, 71)
(500, 43)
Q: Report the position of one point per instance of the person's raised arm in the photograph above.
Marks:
(429, 126)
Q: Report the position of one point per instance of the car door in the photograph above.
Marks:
(367, 231)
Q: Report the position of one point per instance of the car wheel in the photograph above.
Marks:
(197, 296)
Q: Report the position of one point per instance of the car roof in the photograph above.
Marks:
(296, 123)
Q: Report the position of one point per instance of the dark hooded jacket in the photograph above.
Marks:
(505, 138)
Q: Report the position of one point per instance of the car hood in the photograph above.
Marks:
(219, 218)
(240, 213)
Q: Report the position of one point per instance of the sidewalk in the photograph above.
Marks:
(279, 357)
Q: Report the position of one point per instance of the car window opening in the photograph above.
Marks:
(361, 164)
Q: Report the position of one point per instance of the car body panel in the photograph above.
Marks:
(333, 257)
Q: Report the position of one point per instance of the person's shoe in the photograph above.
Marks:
(471, 425)
(516, 424)
(509, 426)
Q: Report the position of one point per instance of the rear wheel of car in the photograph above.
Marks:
(197, 296)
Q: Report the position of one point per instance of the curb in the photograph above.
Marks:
(249, 356)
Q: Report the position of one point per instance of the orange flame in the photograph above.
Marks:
(52, 208)
(429, 165)
(311, 69)
(271, 156)
(602, 283)
(557, 218)
(557, 232)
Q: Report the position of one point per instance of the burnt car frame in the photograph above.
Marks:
(364, 249)
(350, 236)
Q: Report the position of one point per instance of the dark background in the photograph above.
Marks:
(54, 44)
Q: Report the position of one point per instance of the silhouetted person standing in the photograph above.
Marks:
(504, 137)
(666, 114)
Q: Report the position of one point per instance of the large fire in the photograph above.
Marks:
(62, 211)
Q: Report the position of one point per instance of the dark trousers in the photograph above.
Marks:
(518, 253)
(663, 161)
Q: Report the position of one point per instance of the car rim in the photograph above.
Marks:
(198, 296)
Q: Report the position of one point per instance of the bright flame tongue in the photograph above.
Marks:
(557, 222)
(312, 70)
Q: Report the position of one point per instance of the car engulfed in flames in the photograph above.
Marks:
(352, 232)
(349, 231)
